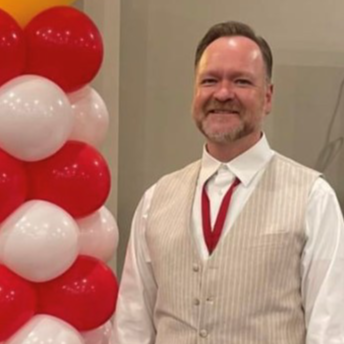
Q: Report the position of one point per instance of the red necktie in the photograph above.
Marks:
(212, 236)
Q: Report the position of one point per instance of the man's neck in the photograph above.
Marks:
(228, 151)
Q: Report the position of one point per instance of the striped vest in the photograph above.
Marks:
(249, 290)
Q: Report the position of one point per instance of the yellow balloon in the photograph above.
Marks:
(24, 10)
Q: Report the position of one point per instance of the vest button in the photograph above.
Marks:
(203, 333)
(196, 302)
(195, 268)
(210, 299)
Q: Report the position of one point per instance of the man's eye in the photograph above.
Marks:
(208, 81)
(243, 82)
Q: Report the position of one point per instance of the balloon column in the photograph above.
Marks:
(56, 235)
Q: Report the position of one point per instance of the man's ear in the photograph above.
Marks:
(268, 98)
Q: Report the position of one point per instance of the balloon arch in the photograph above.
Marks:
(56, 235)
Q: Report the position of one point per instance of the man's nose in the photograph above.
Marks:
(224, 92)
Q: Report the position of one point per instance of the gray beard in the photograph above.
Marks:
(226, 137)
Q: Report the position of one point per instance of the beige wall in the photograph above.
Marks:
(158, 39)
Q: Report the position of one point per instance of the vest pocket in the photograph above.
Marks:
(268, 240)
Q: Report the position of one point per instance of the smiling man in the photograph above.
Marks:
(232, 95)
(244, 246)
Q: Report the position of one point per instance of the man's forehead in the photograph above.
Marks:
(239, 48)
(240, 44)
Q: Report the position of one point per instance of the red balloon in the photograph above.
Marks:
(13, 184)
(76, 178)
(65, 46)
(84, 296)
(12, 48)
(18, 302)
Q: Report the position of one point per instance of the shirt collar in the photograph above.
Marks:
(245, 166)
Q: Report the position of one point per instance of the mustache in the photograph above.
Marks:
(229, 106)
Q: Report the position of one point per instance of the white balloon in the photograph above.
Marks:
(39, 241)
(36, 117)
(45, 329)
(91, 116)
(98, 235)
(100, 335)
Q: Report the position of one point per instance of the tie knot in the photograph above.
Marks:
(223, 177)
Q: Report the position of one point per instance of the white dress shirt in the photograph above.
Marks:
(322, 268)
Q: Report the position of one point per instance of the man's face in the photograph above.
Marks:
(232, 94)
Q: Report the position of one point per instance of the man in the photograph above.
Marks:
(244, 246)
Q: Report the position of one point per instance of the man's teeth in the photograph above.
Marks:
(224, 111)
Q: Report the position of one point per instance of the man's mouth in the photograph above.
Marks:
(223, 111)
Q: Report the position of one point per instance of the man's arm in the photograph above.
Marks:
(323, 267)
(133, 321)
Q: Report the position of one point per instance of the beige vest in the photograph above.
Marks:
(248, 291)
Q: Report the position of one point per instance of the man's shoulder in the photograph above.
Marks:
(181, 174)
(175, 184)
(293, 164)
